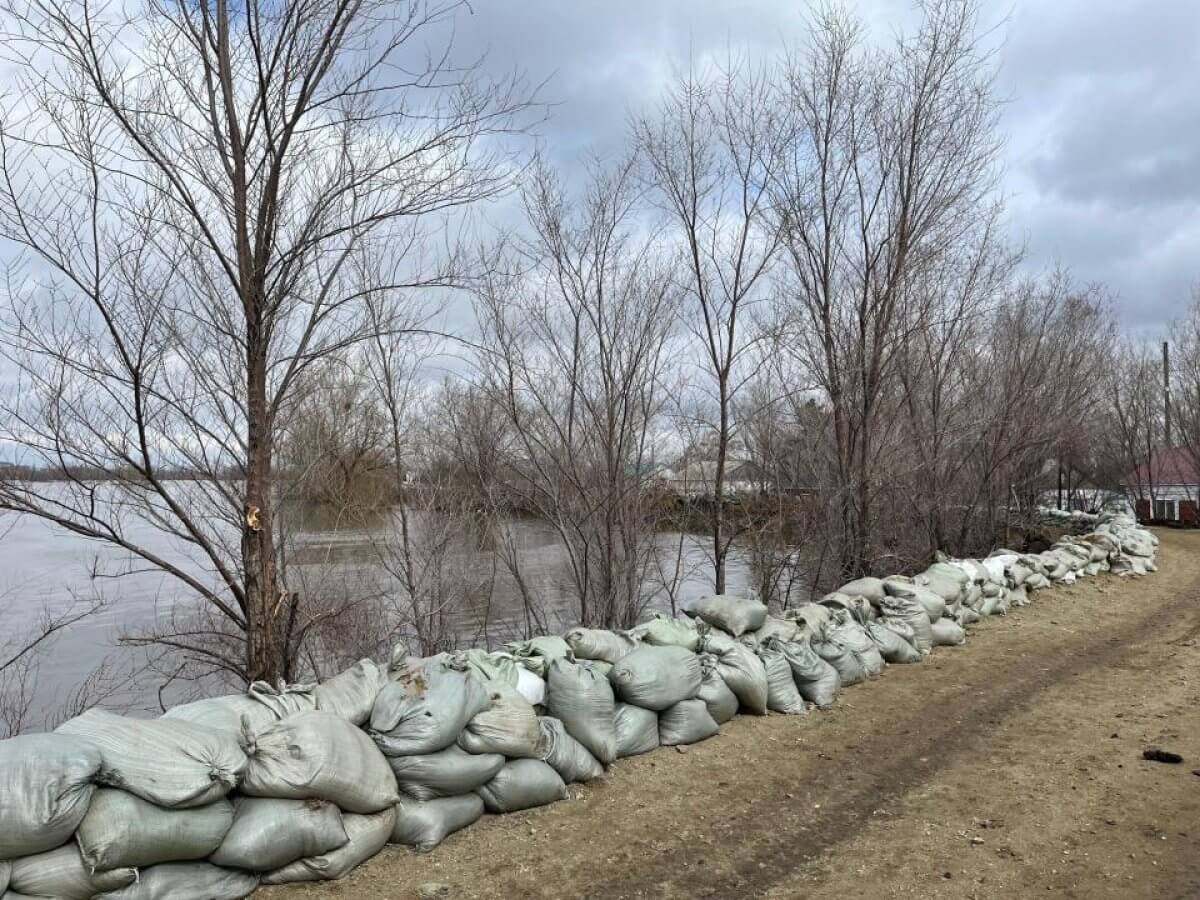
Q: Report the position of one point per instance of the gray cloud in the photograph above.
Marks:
(1103, 122)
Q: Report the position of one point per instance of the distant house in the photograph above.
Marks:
(1166, 488)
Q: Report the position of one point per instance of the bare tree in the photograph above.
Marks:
(890, 169)
(712, 150)
(575, 340)
(195, 227)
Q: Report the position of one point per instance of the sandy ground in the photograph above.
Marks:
(1007, 768)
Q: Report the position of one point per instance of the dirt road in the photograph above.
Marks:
(1009, 768)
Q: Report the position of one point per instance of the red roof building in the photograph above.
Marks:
(1166, 488)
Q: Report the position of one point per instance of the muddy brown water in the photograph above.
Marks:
(1009, 768)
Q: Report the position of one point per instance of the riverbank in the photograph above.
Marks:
(1005, 769)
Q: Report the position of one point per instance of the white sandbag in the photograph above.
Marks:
(319, 756)
(858, 608)
(187, 881)
(425, 708)
(722, 703)
(687, 722)
(716, 641)
(948, 633)
(869, 588)
(5, 872)
(817, 681)
(637, 729)
(933, 604)
(734, 615)
(425, 824)
(745, 675)
(656, 677)
(268, 834)
(663, 631)
(965, 616)
(63, 875)
(537, 653)
(813, 615)
(168, 762)
(850, 634)
(532, 687)
(565, 755)
(490, 666)
(583, 700)
(508, 726)
(782, 696)
(121, 830)
(594, 643)
(351, 694)
(522, 784)
(447, 773)
(46, 784)
(894, 641)
(367, 835)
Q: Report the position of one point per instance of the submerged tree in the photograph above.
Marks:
(203, 194)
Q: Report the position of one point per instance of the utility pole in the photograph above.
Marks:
(1167, 392)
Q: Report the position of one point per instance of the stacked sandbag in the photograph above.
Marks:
(722, 703)
(782, 695)
(262, 704)
(733, 615)
(522, 784)
(122, 830)
(268, 834)
(423, 824)
(168, 762)
(446, 773)
(656, 677)
(508, 726)
(352, 693)
(742, 671)
(582, 699)
(537, 653)
(63, 874)
(636, 728)
(186, 881)
(366, 836)
(46, 787)
(817, 681)
(568, 757)
(597, 644)
(664, 631)
(425, 708)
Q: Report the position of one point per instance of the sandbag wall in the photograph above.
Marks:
(304, 783)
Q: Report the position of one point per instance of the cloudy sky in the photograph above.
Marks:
(1102, 119)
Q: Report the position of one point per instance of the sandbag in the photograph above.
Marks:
(565, 755)
(447, 773)
(225, 713)
(425, 824)
(722, 703)
(583, 700)
(850, 634)
(814, 615)
(284, 699)
(663, 631)
(490, 666)
(269, 834)
(522, 784)
(850, 670)
(508, 726)
(687, 722)
(532, 687)
(64, 875)
(735, 615)
(858, 608)
(894, 646)
(537, 653)
(425, 708)
(187, 881)
(782, 696)
(911, 613)
(351, 694)
(46, 784)
(366, 836)
(948, 633)
(965, 616)
(5, 872)
(782, 629)
(656, 677)
(933, 604)
(319, 756)
(745, 675)
(122, 830)
(869, 588)
(595, 643)
(637, 730)
(168, 762)
(817, 681)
